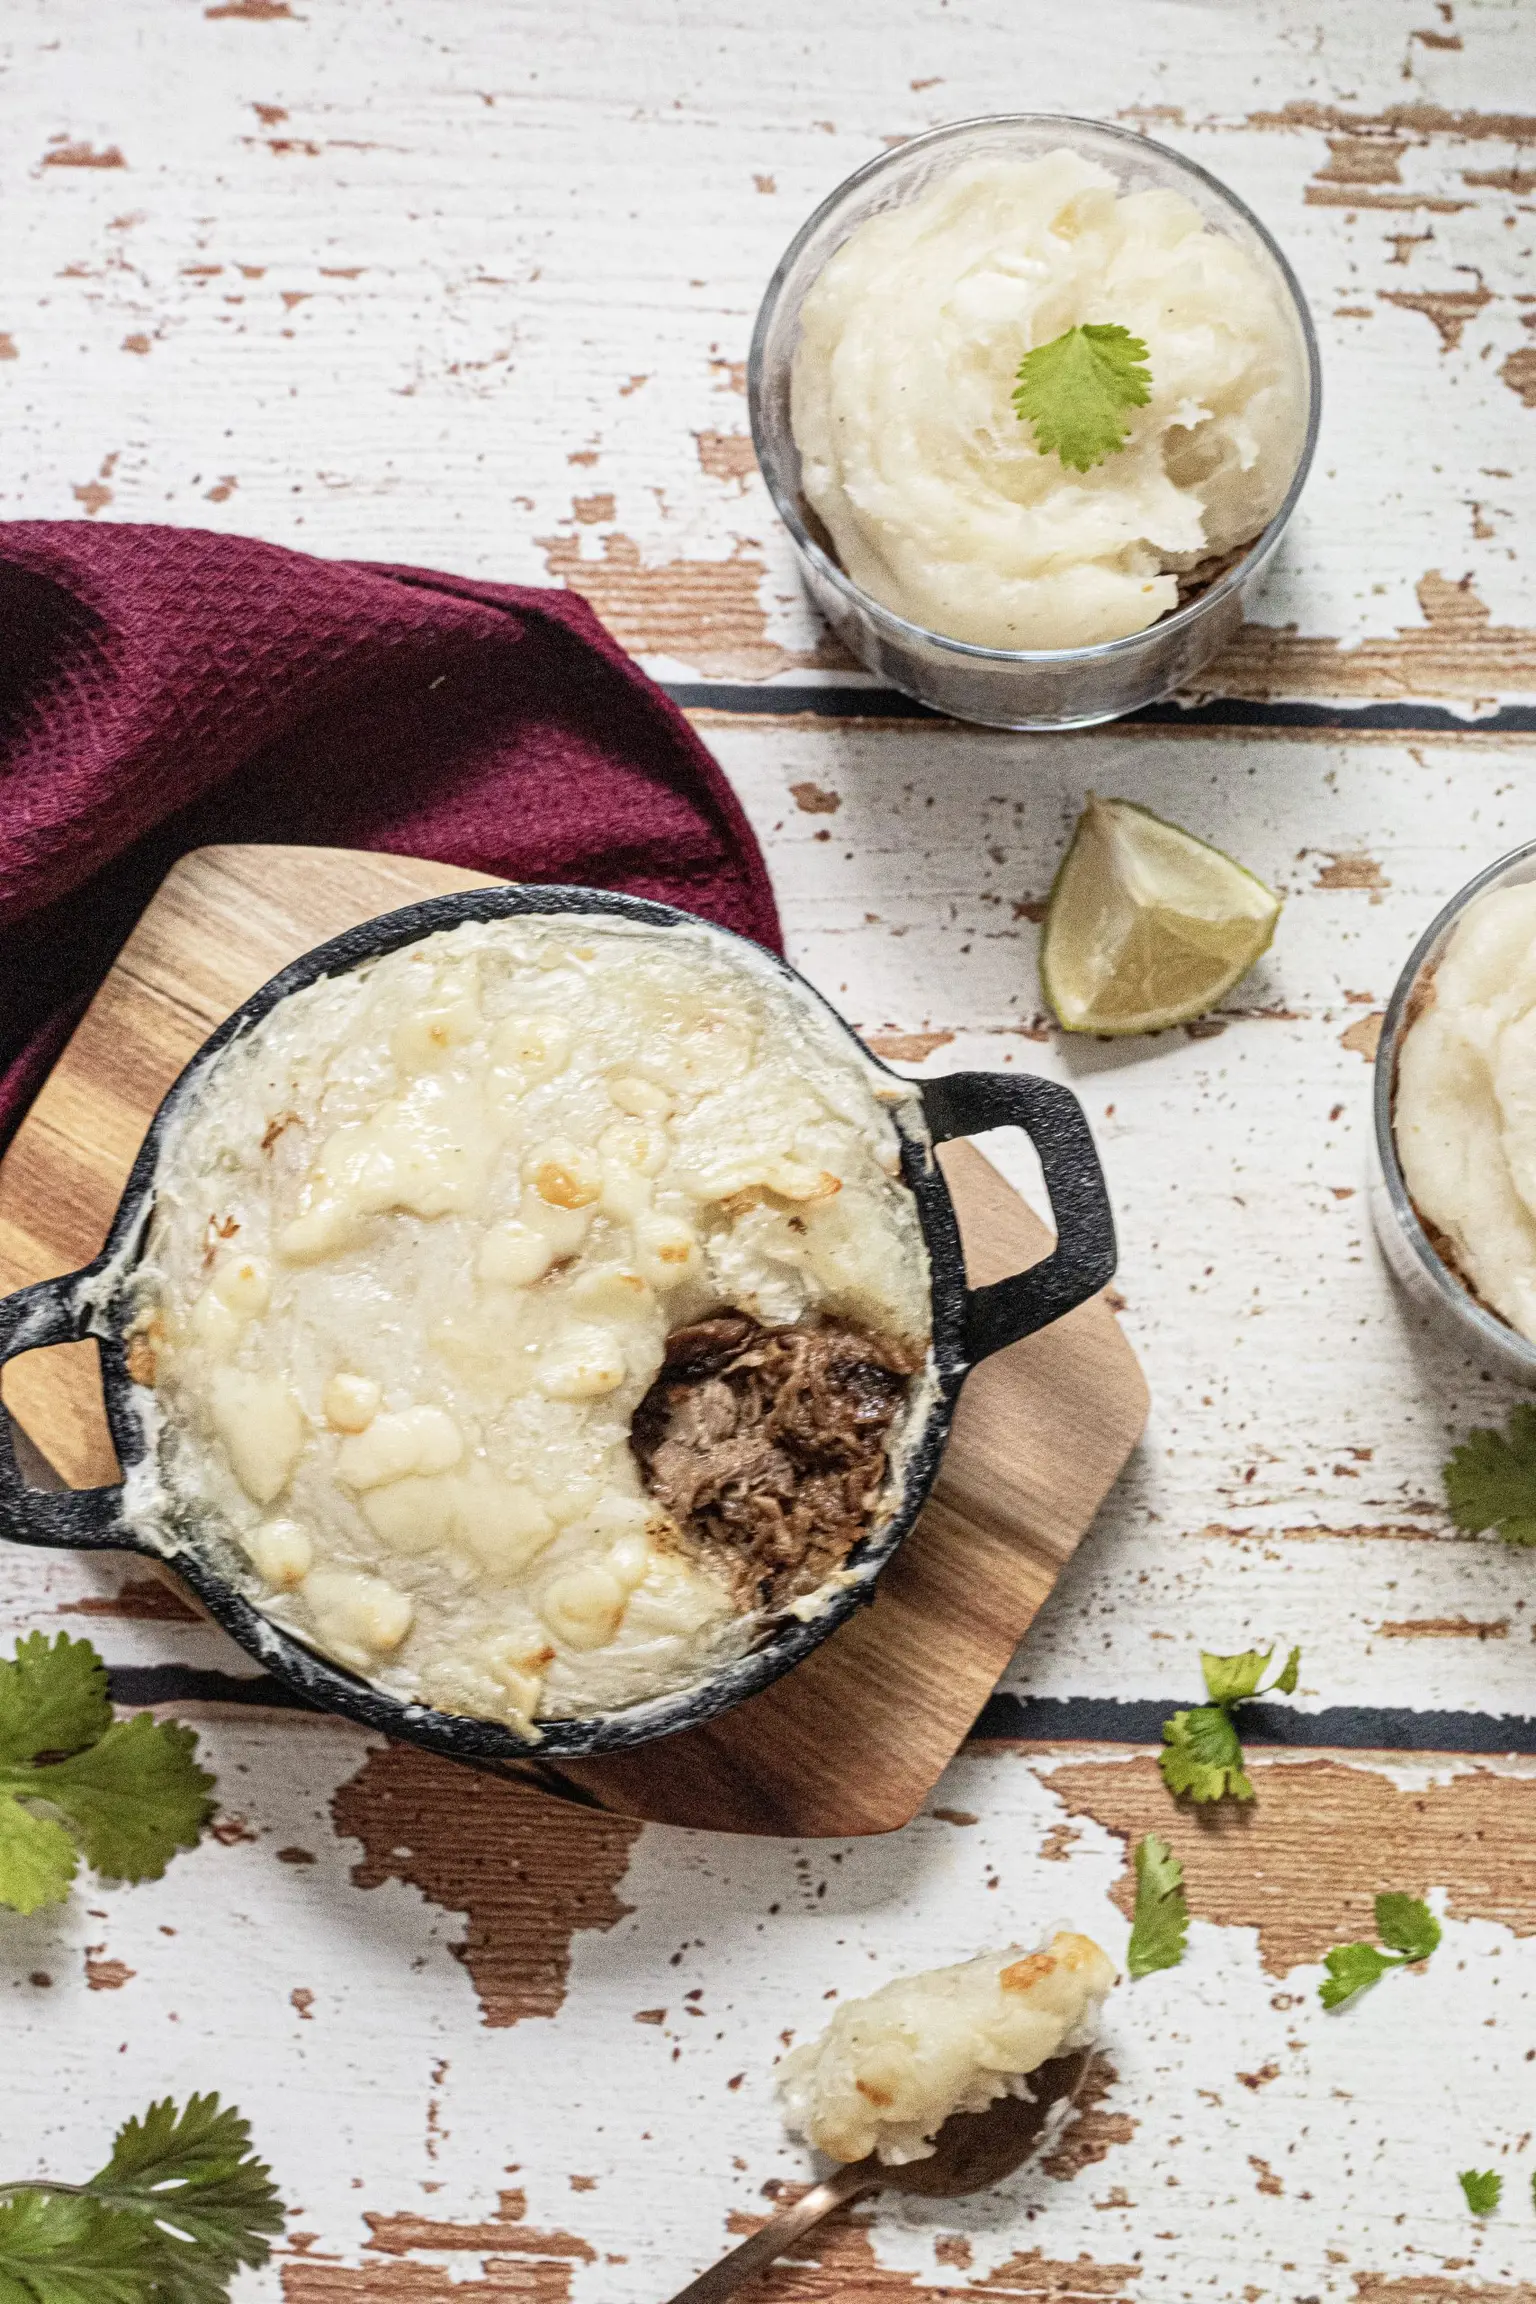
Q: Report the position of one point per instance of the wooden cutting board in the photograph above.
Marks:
(854, 1738)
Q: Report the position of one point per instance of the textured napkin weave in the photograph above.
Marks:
(161, 689)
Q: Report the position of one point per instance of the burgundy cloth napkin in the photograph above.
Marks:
(162, 688)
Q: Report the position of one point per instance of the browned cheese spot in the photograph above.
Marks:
(527, 1871)
(1032, 1969)
(1290, 1864)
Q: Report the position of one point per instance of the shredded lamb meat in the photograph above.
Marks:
(767, 1446)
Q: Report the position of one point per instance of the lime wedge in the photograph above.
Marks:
(1147, 926)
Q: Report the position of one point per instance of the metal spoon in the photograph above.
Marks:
(971, 2151)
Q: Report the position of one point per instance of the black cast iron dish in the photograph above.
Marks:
(968, 1325)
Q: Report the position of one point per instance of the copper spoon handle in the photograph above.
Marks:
(780, 2232)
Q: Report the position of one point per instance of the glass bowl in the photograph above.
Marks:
(1007, 687)
(1426, 1278)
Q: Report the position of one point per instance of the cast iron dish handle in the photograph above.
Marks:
(51, 1312)
(1084, 1258)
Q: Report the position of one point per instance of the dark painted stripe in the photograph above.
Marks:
(1234, 712)
(181, 1684)
(1004, 1719)
(1350, 1728)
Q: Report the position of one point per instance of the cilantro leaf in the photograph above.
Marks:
(1482, 2188)
(128, 1793)
(1201, 1755)
(1350, 1968)
(181, 2205)
(194, 2182)
(1230, 1679)
(1407, 1925)
(1490, 1480)
(53, 1697)
(60, 2248)
(1202, 1752)
(37, 1859)
(135, 1798)
(1075, 390)
(1162, 1915)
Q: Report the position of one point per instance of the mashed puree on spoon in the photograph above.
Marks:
(933, 490)
(890, 2069)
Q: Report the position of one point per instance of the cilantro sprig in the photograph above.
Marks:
(125, 1794)
(1161, 1923)
(1404, 1923)
(1076, 390)
(1482, 2188)
(181, 2205)
(1202, 1754)
(1491, 1479)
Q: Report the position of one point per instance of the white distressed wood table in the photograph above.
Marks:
(469, 283)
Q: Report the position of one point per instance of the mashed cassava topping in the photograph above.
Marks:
(936, 494)
(889, 2070)
(419, 1242)
(1465, 1110)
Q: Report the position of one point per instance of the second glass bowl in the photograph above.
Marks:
(1003, 687)
(1426, 1278)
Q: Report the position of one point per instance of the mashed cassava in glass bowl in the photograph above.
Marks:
(536, 1306)
(940, 503)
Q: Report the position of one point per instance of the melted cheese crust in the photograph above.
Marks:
(417, 1243)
